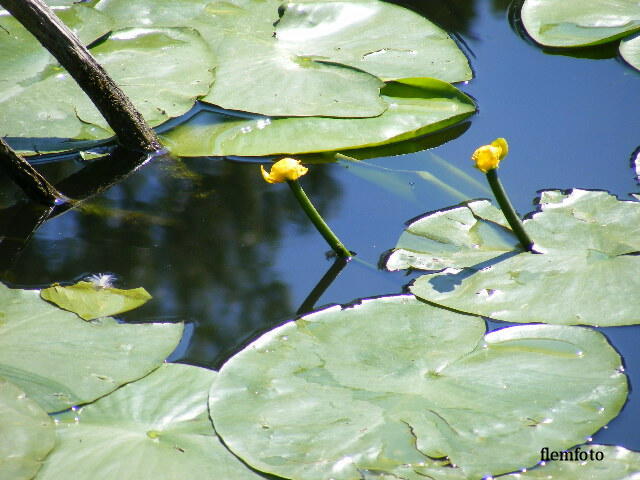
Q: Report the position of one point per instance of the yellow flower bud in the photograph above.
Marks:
(488, 157)
(284, 170)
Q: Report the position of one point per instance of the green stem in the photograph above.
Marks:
(508, 210)
(317, 220)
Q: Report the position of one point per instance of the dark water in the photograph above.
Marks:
(230, 255)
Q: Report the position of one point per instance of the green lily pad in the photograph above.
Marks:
(455, 237)
(60, 360)
(586, 272)
(162, 71)
(416, 106)
(91, 301)
(630, 51)
(155, 428)
(618, 463)
(561, 23)
(393, 386)
(26, 434)
(320, 59)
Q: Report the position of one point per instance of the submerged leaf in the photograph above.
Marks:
(586, 272)
(61, 360)
(90, 301)
(395, 388)
(26, 434)
(153, 429)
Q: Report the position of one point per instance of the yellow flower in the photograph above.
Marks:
(284, 170)
(488, 157)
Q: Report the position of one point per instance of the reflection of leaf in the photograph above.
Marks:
(320, 58)
(161, 70)
(90, 301)
(586, 274)
(391, 384)
(617, 464)
(26, 434)
(417, 106)
(61, 360)
(558, 23)
(155, 428)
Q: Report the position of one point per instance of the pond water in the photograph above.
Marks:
(232, 256)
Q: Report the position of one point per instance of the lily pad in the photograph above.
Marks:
(26, 434)
(60, 360)
(630, 51)
(155, 428)
(559, 23)
(162, 71)
(416, 106)
(618, 463)
(305, 58)
(395, 388)
(586, 272)
(91, 301)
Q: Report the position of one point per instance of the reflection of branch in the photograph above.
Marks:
(27, 178)
(131, 129)
(326, 280)
(19, 222)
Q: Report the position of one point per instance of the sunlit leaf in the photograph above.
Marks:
(630, 51)
(26, 434)
(391, 386)
(305, 58)
(562, 23)
(617, 463)
(416, 106)
(161, 70)
(586, 272)
(156, 428)
(61, 360)
(90, 301)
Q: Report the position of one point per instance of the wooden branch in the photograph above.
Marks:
(132, 130)
(26, 177)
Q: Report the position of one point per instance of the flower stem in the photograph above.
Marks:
(507, 209)
(333, 241)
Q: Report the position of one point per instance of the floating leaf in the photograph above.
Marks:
(618, 463)
(26, 434)
(630, 51)
(416, 107)
(391, 386)
(90, 301)
(61, 360)
(155, 428)
(161, 70)
(586, 274)
(559, 23)
(320, 59)
(454, 237)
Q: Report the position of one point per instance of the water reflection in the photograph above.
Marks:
(199, 234)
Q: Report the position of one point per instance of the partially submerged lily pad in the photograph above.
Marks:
(630, 51)
(586, 272)
(26, 434)
(416, 106)
(91, 301)
(60, 360)
(392, 387)
(155, 428)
